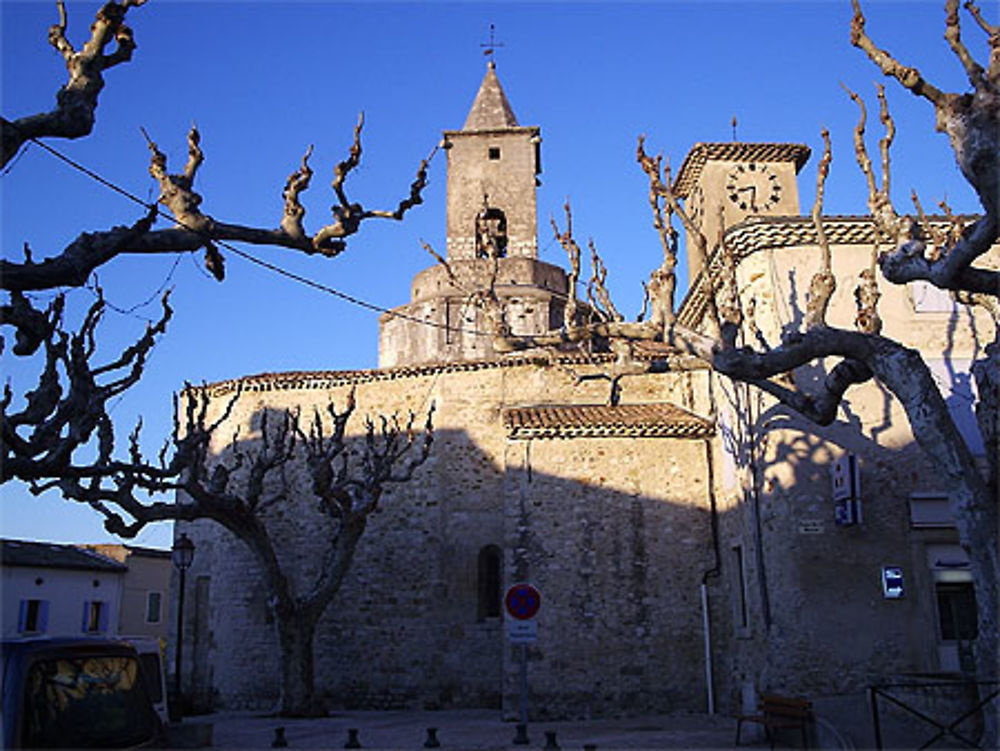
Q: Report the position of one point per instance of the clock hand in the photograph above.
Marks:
(753, 195)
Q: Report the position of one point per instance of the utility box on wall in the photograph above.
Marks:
(892, 582)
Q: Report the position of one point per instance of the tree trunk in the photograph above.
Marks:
(296, 635)
(971, 500)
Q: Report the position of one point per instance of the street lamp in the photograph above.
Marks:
(182, 554)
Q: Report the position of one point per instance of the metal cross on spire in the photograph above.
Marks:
(490, 47)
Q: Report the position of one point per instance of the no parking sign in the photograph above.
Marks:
(522, 602)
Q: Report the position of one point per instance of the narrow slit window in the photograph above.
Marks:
(154, 604)
(489, 575)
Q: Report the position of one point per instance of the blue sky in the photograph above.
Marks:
(263, 80)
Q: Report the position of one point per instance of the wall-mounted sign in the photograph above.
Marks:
(522, 632)
(892, 582)
(811, 527)
(846, 479)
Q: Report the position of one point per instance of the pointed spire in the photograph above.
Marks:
(490, 110)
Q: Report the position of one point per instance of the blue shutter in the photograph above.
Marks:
(43, 616)
(22, 616)
(102, 617)
(86, 616)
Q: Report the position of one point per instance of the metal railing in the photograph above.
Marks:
(963, 706)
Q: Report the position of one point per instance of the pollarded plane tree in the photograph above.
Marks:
(58, 434)
(286, 465)
(947, 254)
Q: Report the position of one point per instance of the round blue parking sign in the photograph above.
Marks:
(522, 601)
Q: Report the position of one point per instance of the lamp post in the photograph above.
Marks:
(182, 554)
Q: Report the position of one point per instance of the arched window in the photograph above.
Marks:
(491, 233)
(488, 581)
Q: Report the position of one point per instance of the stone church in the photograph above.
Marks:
(690, 544)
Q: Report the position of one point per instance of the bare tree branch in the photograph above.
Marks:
(952, 33)
(908, 77)
(823, 283)
(76, 101)
(193, 230)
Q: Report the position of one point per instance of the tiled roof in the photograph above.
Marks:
(773, 232)
(734, 151)
(326, 379)
(660, 420)
(52, 555)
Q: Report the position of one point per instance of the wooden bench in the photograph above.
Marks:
(779, 713)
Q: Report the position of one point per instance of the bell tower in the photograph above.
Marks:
(492, 218)
(493, 165)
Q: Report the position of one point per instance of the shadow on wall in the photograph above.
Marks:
(814, 619)
(417, 621)
(618, 536)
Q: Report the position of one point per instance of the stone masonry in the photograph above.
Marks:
(628, 519)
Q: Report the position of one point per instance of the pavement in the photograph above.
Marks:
(462, 730)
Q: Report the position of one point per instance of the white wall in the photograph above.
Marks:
(65, 591)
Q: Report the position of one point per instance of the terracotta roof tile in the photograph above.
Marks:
(773, 232)
(735, 151)
(326, 379)
(659, 420)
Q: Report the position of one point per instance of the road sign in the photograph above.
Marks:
(522, 601)
(522, 632)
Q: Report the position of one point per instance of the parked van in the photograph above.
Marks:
(150, 651)
(76, 693)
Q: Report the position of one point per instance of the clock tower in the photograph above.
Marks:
(744, 179)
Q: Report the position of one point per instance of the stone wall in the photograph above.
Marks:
(819, 624)
(508, 180)
(443, 324)
(616, 532)
(619, 536)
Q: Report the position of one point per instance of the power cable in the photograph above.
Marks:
(241, 253)
(327, 289)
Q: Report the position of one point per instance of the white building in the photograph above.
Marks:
(59, 590)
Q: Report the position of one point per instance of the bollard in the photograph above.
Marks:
(550, 741)
(352, 739)
(432, 739)
(279, 739)
(521, 736)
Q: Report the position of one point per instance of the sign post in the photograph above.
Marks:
(522, 602)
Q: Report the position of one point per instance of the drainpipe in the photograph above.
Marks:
(710, 573)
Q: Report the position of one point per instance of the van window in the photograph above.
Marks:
(151, 672)
(90, 702)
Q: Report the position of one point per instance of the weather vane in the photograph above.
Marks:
(490, 47)
(734, 127)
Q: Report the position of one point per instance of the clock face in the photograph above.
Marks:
(753, 187)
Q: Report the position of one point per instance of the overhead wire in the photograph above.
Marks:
(243, 254)
(319, 286)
